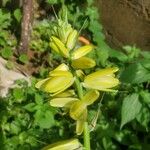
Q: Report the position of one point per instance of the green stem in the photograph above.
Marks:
(86, 128)
(86, 136)
(79, 88)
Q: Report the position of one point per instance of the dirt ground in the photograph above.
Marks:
(126, 22)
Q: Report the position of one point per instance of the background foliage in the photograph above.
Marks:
(27, 122)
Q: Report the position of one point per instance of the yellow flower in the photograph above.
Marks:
(78, 108)
(59, 80)
(83, 63)
(101, 80)
(71, 144)
(82, 51)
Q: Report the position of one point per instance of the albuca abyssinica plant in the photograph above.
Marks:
(68, 84)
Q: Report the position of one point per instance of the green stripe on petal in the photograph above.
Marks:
(83, 63)
(63, 102)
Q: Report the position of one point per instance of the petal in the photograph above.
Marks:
(65, 87)
(71, 144)
(100, 83)
(82, 51)
(57, 84)
(102, 72)
(41, 82)
(83, 63)
(62, 67)
(68, 93)
(63, 102)
(90, 97)
(79, 127)
(56, 73)
(78, 111)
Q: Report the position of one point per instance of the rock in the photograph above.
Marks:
(8, 78)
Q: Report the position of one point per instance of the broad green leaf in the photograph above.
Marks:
(130, 108)
(135, 74)
(30, 107)
(44, 118)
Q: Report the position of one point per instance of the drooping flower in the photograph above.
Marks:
(59, 80)
(102, 80)
(77, 107)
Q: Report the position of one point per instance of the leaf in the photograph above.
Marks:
(44, 118)
(145, 95)
(118, 55)
(30, 107)
(18, 94)
(18, 15)
(130, 108)
(23, 58)
(144, 117)
(38, 99)
(135, 74)
(7, 52)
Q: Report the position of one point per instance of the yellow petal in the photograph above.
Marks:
(90, 97)
(68, 93)
(101, 80)
(57, 84)
(71, 144)
(62, 67)
(103, 72)
(62, 48)
(63, 102)
(83, 63)
(54, 47)
(78, 111)
(79, 127)
(41, 82)
(82, 51)
(56, 73)
(101, 83)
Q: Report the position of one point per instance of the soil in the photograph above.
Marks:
(126, 22)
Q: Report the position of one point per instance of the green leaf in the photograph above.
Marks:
(18, 94)
(7, 52)
(118, 55)
(30, 107)
(144, 117)
(130, 108)
(135, 74)
(23, 58)
(18, 15)
(145, 95)
(38, 99)
(44, 118)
